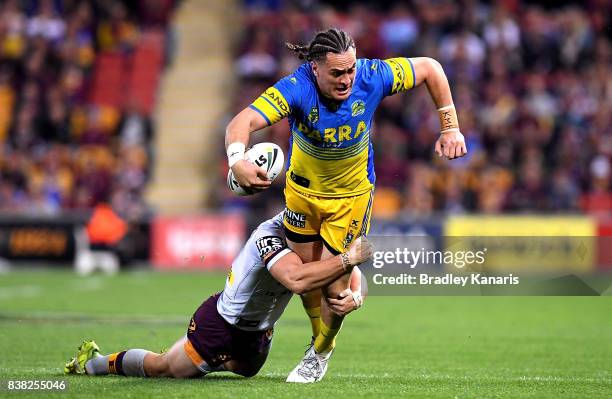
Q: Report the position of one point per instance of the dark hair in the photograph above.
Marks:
(329, 41)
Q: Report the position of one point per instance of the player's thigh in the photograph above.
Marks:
(247, 368)
(302, 218)
(251, 350)
(348, 218)
(179, 363)
(307, 251)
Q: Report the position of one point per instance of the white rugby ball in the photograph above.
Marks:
(268, 156)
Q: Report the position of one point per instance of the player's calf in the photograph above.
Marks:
(157, 365)
(179, 364)
(127, 363)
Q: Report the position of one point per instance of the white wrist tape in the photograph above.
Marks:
(357, 298)
(235, 152)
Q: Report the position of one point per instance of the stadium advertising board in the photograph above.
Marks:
(532, 244)
(604, 244)
(204, 242)
(37, 241)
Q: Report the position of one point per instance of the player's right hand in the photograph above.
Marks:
(360, 250)
(451, 144)
(249, 175)
(346, 302)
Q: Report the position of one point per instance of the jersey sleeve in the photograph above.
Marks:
(271, 248)
(277, 101)
(397, 75)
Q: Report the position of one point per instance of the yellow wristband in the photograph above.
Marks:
(448, 118)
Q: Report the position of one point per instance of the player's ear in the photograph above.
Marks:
(315, 68)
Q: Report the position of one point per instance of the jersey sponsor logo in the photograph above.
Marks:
(399, 75)
(269, 245)
(334, 135)
(295, 219)
(347, 240)
(357, 108)
(403, 78)
(313, 116)
(350, 235)
(276, 98)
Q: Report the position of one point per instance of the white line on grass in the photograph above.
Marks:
(22, 291)
(98, 318)
(89, 284)
(601, 380)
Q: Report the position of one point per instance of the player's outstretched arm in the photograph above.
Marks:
(451, 143)
(302, 277)
(237, 136)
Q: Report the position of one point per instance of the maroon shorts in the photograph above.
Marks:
(211, 339)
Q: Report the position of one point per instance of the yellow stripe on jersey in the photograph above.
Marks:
(329, 176)
(331, 154)
(403, 74)
(272, 104)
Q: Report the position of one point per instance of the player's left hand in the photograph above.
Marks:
(346, 302)
(451, 144)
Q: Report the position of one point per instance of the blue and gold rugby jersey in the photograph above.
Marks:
(330, 152)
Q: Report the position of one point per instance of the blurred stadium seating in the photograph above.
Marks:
(78, 85)
(71, 134)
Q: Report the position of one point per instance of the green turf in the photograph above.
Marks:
(394, 346)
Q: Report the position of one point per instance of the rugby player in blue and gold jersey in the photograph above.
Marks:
(330, 102)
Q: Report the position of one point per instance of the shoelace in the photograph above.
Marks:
(311, 368)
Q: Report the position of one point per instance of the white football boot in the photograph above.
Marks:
(312, 368)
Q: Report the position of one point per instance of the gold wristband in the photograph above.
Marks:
(448, 118)
(345, 260)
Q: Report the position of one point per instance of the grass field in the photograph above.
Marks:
(421, 347)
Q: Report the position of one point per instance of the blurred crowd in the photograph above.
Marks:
(62, 146)
(532, 86)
